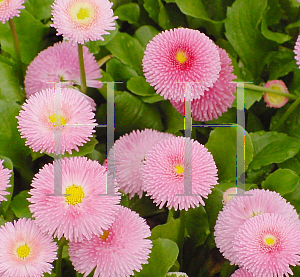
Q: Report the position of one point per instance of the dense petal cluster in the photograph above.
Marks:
(5, 175)
(274, 100)
(175, 57)
(218, 98)
(297, 50)
(10, 9)
(25, 251)
(45, 130)
(83, 20)
(121, 249)
(242, 273)
(168, 172)
(76, 208)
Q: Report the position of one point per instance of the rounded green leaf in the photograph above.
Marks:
(128, 12)
(19, 205)
(139, 86)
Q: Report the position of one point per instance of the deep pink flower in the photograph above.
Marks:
(5, 175)
(25, 251)
(242, 273)
(37, 120)
(164, 169)
(181, 55)
(240, 208)
(274, 100)
(10, 9)
(83, 20)
(218, 98)
(84, 211)
(122, 248)
(129, 153)
(267, 244)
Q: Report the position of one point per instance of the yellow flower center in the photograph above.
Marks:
(57, 120)
(105, 235)
(254, 214)
(179, 169)
(269, 240)
(23, 251)
(82, 12)
(76, 194)
(181, 57)
(274, 98)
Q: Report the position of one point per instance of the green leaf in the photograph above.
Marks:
(128, 12)
(222, 145)
(19, 205)
(139, 86)
(251, 97)
(8, 164)
(173, 119)
(163, 255)
(152, 99)
(292, 163)
(282, 181)
(275, 36)
(10, 88)
(293, 197)
(145, 33)
(128, 50)
(272, 147)
(119, 71)
(40, 9)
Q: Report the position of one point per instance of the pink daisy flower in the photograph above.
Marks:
(164, 169)
(83, 20)
(122, 248)
(37, 121)
(5, 175)
(181, 55)
(60, 63)
(297, 49)
(218, 98)
(10, 9)
(267, 245)
(242, 273)
(129, 154)
(274, 100)
(83, 211)
(239, 209)
(24, 250)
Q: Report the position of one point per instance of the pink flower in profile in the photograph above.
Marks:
(218, 98)
(242, 273)
(164, 169)
(37, 120)
(10, 9)
(60, 63)
(267, 245)
(240, 208)
(122, 248)
(181, 55)
(25, 251)
(297, 50)
(84, 211)
(128, 154)
(5, 175)
(274, 100)
(83, 20)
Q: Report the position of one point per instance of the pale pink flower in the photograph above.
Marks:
(297, 50)
(274, 100)
(37, 120)
(181, 55)
(83, 20)
(5, 175)
(122, 248)
(25, 251)
(10, 9)
(242, 273)
(84, 211)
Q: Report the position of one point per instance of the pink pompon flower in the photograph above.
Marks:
(127, 156)
(83, 20)
(240, 208)
(59, 63)
(41, 126)
(10, 9)
(25, 251)
(218, 98)
(122, 248)
(242, 273)
(274, 100)
(165, 168)
(175, 57)
(297, 50)
(267, 245)
(5, 175)
(83, 210)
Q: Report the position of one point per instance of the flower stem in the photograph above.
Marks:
(287, 113)
(104, 60)
(17, 50)
(182, 234)
(259, 88)
(82, 71)
(59, 257)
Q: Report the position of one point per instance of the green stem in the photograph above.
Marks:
(82, 71)
(182, 233)
(287, 113)
(259, 88)
(170, 214)
(59, 257)
(104, 60)
(17, 50)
